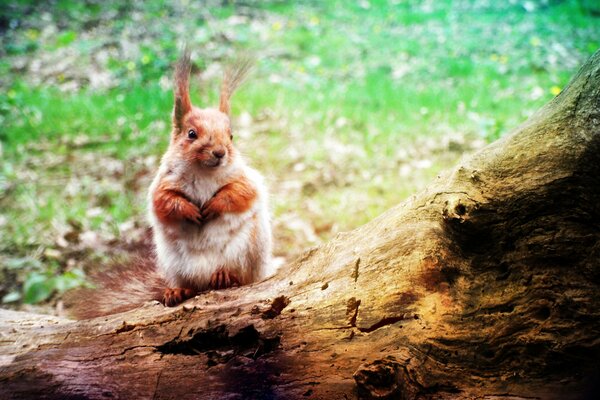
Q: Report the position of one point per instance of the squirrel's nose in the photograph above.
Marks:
(219, 153)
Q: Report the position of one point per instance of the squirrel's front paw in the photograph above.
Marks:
(192, 213)
(175, 296)
(211, 209)
(223, 279)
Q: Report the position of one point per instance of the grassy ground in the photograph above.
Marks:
(352, 107)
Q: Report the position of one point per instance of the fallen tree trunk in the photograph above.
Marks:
(484, 285)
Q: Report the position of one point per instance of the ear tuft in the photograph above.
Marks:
(183, 104)
(234, 76)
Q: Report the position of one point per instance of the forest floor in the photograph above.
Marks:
(351, 107)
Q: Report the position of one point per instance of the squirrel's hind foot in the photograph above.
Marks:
(175, 296)
(223, 279)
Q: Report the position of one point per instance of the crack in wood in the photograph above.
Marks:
(220, 347)
(172, 318)
(111, 355)
(383, 322)
(277, 305)
(355, 271)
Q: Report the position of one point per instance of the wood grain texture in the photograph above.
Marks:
(483, 286)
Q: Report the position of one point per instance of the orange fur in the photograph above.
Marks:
(119, 289)
(235, 197)
(213, 131)
(170, 205)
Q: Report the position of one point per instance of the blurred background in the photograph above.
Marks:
(352, 107)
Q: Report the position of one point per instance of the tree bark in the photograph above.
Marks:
(485, 285)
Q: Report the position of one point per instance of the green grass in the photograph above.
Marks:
(352, 107)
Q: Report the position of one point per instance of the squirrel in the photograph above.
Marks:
(207, 208)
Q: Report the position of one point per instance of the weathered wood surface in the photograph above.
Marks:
(483, 286)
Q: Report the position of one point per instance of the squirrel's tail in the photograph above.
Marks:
(117, 290)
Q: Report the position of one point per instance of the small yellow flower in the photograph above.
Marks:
(314, 20)
(11, 94)
(145, 59)
(32, 34)
(555, 90)
(503, 59)
(535, 41)
(131, 65)
(494, 57)
(377, 29)
(277, 26)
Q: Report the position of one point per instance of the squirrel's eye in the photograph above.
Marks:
(192, 134)
(230, 137)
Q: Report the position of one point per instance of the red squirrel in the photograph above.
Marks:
(208, 211)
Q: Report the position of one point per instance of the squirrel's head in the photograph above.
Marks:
(203, 136)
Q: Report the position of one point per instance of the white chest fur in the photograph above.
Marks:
(189, 254)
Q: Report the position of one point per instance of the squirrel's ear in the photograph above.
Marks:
(183, 104)
(232, 78)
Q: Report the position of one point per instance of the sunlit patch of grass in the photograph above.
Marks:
(110, 120)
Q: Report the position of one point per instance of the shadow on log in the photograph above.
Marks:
(483, 286)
